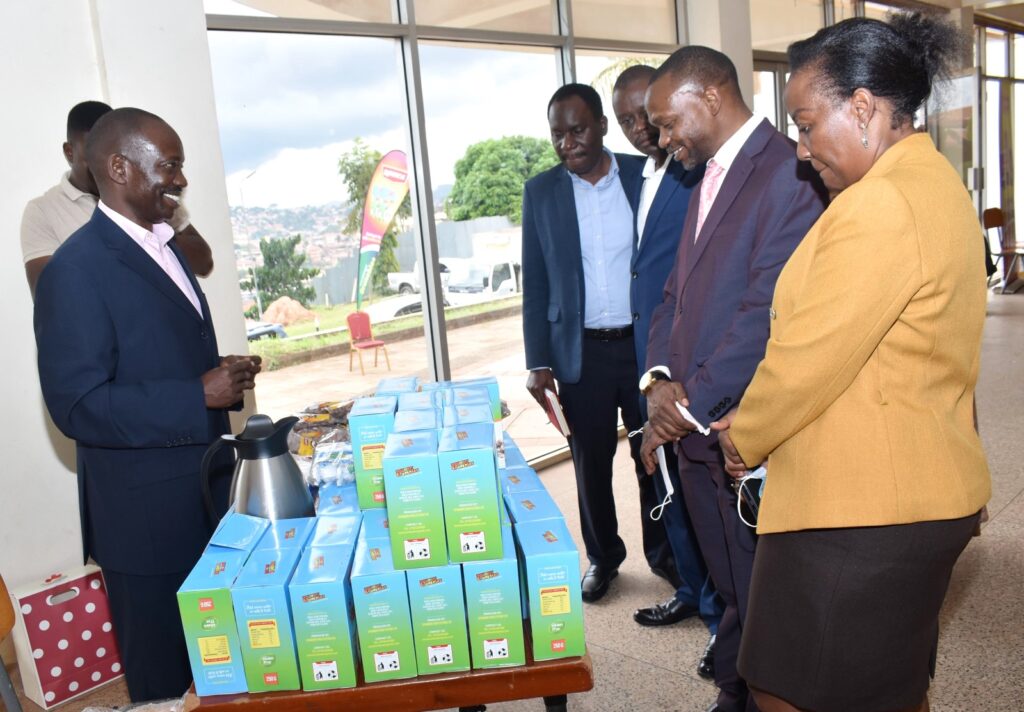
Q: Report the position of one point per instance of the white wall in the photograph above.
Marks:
(55, 53)
(724, 25)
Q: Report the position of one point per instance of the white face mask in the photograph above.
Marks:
(669, 489)
(749, 491)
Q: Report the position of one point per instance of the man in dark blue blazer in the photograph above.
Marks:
(130, 370)
(577, 324)
(753, 206)
(661, 202)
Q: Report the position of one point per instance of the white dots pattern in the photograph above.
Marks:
(86, 634)
(62, 644)
(95, 584)
(69, 616)
(79, 662)
(49, 696)
(37, 653)
(26, 608)
(55, 671)
(107, 627)
(100, 652)
(44, 625)
(115, 668)
(95, 676)
(73, 687)
(90, 607)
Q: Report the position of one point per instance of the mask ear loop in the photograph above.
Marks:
(739, 498)
(660, 509)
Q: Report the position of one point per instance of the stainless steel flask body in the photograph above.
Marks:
(272, 488)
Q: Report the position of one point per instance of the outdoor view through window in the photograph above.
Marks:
(303, 121)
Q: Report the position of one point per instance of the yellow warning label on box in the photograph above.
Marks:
(554, 601)
(263, 634)
(215, 650)
(373, 456)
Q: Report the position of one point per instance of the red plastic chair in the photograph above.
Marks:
(361, 334)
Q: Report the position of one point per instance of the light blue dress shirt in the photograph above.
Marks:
(606, 241)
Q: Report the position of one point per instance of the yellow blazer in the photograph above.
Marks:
(863, 402)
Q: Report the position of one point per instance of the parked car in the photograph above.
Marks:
(395, 307)
(484, 278)
(256, 330)
(409, 282)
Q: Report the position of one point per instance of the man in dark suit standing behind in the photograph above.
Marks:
(577, 323)
(752, 208)
(129, 369)
(661, 202)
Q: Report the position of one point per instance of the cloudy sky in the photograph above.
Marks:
(289, 105)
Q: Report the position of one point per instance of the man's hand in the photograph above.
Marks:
(734, 464)
(539, 381)
(665, 419)
(226, 385)
(650, 443)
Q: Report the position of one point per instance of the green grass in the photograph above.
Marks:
(333, 317)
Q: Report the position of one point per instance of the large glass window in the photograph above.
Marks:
(304, 120)
(631, 20)
(775, 24)
(507, 15)
(996, 53)
(487, 132)
(337, 10)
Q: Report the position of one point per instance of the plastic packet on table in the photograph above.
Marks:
(332, 463)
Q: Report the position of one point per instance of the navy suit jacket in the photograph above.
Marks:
(711, 329)
(655, 256)
(553, 283)
(121, 355)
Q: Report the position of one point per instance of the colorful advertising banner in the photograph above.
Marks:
(388, 188)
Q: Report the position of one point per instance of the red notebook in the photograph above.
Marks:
(555, 413)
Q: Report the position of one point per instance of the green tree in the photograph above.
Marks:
(282, 273)
(356, 167)
(489, 178)
(604, 81)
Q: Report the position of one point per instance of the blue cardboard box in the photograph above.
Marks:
(469, 487)
(412, 420)
(519, 478)
(324, 618)
(397, 385)
(239, 531)
(552, 578)
(337, 499)
(490, 384)
(531, 506)
(208, 619)
(287, 533)
(494, 608)
(419, 400)
(336, 529)
(383, 623)
(415, 511)
(263, 617)
(370, 422)
(463, 413)
(376, 525)
(438, 619)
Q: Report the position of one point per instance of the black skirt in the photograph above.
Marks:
(846, 620)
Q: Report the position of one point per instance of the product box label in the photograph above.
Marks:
(551, 567)
(208, 619)
(370, 422)
(490, 383)
(415, 511)
(494, 609)
(336, 529)
(383, 623)
(438, 619)
(519, 479)
(324, 618)
(263, 619)
(470, 493)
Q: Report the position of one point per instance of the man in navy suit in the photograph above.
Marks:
(130, 370)
(752, 208)
(661, 202)
(577, 323)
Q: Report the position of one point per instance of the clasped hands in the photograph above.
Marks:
(226, 385)
(666, 424)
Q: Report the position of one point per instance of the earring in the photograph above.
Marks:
(863, 134)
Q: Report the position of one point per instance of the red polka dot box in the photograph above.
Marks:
(64, 636)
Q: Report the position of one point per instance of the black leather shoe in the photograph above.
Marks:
(595, 582)
(706, 664)
(667, 613)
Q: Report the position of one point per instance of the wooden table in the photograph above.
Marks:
(551, 680)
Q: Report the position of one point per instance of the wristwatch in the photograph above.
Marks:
(648, 379)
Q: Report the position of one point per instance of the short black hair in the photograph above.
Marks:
(83, 116)
(706, 66)
(899, 59)
(585, 92)
(115, 132)
(632, 74)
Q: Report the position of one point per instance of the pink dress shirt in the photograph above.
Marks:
(155, 245)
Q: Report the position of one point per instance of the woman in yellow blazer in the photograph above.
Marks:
(862, 406)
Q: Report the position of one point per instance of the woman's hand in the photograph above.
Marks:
(734, 464)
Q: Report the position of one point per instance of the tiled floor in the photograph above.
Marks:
(981, 654)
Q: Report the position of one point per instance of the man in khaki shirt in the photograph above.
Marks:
(51, 218)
